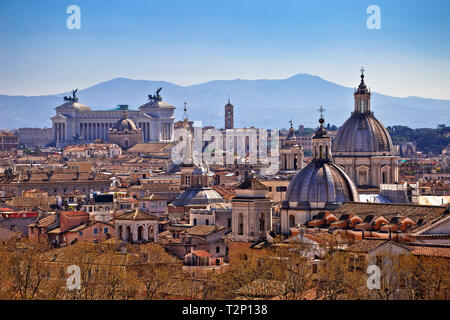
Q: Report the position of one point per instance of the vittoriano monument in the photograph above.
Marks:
(76, 123)
(156, 97)
(73, 98)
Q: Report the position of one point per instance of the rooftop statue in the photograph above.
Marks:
(156, 97)
(74, 97)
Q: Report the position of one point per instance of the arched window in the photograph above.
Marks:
(262, 222)
(321, 152)
(240, 224)
(120, 232)
(128, 234)
(140, 233)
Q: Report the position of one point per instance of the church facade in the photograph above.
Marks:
(75, 122)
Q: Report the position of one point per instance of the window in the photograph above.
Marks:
(217, 249)
(229, 223)
(80, 233)
(105, 230)
(363, 177)
(207, 222)
(95, 231)
(241, 224)
(385, 177)
(291, 221)
(281, 189)
(195, 222)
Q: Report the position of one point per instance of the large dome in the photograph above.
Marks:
(362, 132)
(321, 182)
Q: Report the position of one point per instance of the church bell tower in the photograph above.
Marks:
(229, 115)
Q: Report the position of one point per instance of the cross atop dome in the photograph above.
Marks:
(321, 132)
(321, 110)
(185, 116)
(362, 88)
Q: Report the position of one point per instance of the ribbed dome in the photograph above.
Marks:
(362, 132)
(125, 124)
(321, 181)
(198, 196)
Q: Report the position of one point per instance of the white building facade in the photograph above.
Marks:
(75, 122)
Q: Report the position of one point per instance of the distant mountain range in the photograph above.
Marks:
(260, 103)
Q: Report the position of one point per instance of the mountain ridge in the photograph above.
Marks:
(296, 97)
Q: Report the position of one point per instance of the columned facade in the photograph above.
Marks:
(137, 226)
(75, 123)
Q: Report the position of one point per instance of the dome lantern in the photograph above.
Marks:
(362, 96)
(321, 141)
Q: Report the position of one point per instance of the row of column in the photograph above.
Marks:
(145, 126)
(92, 131)
(60, 132)
(166, 131)
(89, 131)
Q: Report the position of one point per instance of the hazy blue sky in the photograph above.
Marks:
(193, 41)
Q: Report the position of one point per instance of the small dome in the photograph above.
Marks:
(198, 196)
(321, 182)
(362, 132)
(125, 124)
